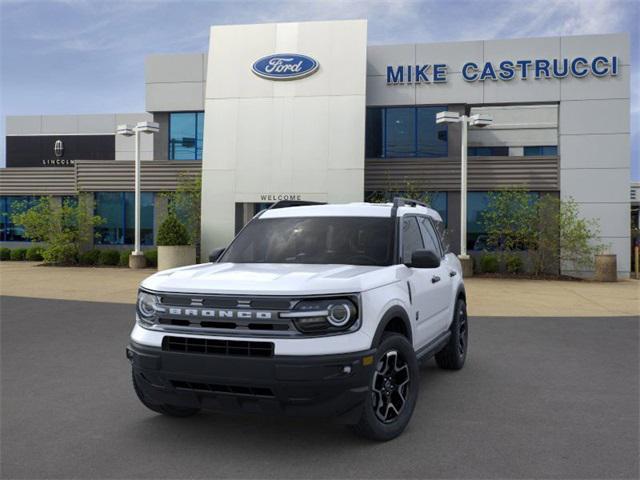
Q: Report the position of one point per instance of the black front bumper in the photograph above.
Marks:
(328, 385)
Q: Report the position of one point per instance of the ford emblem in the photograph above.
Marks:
(285, 66)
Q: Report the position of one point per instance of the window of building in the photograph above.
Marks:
(185, 135)
(488, 151)
(117, 209)
(411, 238)
(541, 151)
(405, 132)
(10, 232)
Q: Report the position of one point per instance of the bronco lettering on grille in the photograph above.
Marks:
(215, 313)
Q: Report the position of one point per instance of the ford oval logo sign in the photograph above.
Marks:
(285, 66)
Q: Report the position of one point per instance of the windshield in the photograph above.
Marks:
(342, 240)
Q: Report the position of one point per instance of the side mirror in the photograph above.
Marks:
(216, 254)
(424, 259)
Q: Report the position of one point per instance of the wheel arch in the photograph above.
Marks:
(395, 319)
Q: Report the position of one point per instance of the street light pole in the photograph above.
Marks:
(136, 259)
(463, 191)
(136, 246)
(477, 120)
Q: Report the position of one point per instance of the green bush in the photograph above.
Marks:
(5, 254)
(152, 258)
(61, 254)
(124, 258)
(172, 232)
(90, 257)
(109, 257)
(514, 264)
(489, 263)
(34, 254)
(18, 254)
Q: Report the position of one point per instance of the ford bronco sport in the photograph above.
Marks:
(313, 309)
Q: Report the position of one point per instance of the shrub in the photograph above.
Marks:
(124, 258)
(64, 227)
(172, 232)
(109, 257)
(90, 257)
(514, 264)
(61, 254)
(5, 254)
(18, 254)
(489, 263)
(152, 257)
(34, 254)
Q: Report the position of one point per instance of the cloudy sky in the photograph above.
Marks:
(86, 56)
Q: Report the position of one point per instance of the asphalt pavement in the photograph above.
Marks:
(539, 397)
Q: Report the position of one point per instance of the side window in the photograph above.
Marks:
(430, 236)
(411, 238)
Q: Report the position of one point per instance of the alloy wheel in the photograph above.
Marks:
(462, 331)
(390, 389)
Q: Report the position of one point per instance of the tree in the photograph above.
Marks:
(509, 220)
(172, 232)
(63, 227)
(184, 203)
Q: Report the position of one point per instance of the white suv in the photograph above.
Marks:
(312, 310)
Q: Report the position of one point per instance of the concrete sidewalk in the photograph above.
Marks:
(486, 297)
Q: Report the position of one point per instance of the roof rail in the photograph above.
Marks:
(401, 202)
(293, 203)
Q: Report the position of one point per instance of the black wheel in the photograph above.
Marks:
(170, 410)
(454, 353)
(393, 390)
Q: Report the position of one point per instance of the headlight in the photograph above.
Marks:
(147, 307)
(329, 315)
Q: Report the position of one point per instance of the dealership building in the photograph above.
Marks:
(309, 111)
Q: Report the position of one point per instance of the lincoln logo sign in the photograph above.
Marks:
(505, 70)
(58, 148)
(285, 66)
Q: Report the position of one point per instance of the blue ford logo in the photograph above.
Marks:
(284, 66)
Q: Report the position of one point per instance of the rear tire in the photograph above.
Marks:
(454, 353)
(169, 410)
(393, 390)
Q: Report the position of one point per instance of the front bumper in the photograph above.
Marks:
(326, 385)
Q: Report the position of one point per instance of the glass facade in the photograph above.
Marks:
(9, 232)
(393, 132)
(117, 209)
(488, 151)
(541, 151)
(185, 135)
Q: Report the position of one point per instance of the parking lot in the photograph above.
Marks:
(539, 397)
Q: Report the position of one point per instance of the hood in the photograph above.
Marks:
(270, 279)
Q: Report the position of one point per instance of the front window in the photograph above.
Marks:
(315, 240)
(185, 135)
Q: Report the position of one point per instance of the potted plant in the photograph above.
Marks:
(606, 266)
(174, 249)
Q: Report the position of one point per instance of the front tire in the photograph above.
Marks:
(454, 353)
(169, 410)
(393, 390)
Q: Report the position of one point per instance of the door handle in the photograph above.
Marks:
(453, 273)
(435, 279)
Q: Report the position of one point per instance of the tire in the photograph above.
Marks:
(169, 410)
(454, 353)
(379, 421)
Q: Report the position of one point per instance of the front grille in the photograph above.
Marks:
(217, 347)
(228, 389)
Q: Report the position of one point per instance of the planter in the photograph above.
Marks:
(606, 268)
(176, 256)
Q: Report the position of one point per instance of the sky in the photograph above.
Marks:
(87, 56)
